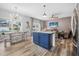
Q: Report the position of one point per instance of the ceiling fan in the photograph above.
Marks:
(55, 15)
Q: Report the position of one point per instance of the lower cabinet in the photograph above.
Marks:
(43, 39)
(35, 38)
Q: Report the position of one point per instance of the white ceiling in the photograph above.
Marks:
(36, 9)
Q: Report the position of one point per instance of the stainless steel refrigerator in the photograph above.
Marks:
(75, 30)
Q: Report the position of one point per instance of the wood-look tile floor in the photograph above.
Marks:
(27, 48)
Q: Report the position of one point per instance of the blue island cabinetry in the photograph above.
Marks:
(43, 39)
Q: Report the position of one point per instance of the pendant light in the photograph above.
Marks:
(16, 12)
(44, 13)
(14, 15)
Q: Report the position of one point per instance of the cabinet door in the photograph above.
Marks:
(35, 38)
(44, 38)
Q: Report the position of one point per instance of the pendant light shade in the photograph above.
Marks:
(44, 14)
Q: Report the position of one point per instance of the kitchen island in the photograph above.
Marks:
(44, 39)
(12, 37)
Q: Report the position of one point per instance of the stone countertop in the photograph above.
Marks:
(49, 32)
(11, 32)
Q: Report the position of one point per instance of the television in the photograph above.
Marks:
(52, 24)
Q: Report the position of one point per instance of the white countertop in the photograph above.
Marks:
(49, 32)
(11, 32)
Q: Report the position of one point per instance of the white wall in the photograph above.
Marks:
(64, 24)
(4, 14)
